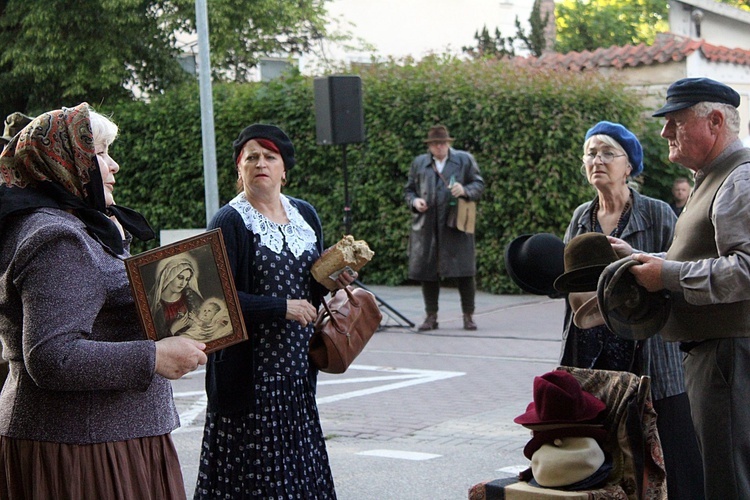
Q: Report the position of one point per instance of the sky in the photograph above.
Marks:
(418, 27)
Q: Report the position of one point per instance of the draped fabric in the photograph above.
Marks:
(52, 163)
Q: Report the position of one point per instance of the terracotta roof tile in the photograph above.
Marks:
(666, 48)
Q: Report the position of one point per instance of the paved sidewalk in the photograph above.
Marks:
(463, 422)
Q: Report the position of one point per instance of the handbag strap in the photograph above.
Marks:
(331, 317)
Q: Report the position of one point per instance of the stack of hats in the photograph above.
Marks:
(585, 256)
(567, 434)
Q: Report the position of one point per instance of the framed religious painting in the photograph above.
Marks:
(186, 289)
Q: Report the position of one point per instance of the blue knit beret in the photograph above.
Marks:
(627, 139)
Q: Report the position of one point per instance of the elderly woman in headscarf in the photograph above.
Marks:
(87, 409)
(263, 437)
(175, 295)
(612, 155)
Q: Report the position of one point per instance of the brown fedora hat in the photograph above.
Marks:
(438, 133)
(585, 257)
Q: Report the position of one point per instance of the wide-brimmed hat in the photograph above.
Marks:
(585, 257)
(534, 261)
(688, 92)
(629, 310)
(438, 133)
(560, 399)
(14, 122)
(566, 461)
(585, 308)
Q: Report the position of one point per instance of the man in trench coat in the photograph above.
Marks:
(436, 251)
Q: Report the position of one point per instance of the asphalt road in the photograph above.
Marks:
(422, 415)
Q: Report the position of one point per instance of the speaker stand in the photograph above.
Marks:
(389, 311)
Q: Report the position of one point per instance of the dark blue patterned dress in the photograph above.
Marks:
(276, 450)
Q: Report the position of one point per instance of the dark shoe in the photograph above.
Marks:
(469, 323)
(430, 323)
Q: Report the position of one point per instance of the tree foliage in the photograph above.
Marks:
(243, 31)
(62, 52)
(498, 46)
(590, 24)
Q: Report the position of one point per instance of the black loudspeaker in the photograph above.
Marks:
(338, 110)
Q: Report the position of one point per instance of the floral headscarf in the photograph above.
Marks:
(57, 146)
(52, 163)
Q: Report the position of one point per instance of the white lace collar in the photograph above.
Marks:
(298, 233)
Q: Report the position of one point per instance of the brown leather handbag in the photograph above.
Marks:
(342, 329)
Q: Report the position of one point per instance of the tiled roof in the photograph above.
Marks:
(666, 48)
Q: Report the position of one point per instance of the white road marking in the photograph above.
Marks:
(404, 377)
(411, 376)
(513, 469)
(189, 416)
(403, 455)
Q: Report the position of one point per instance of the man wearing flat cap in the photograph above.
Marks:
(707, 272)
(437, 247)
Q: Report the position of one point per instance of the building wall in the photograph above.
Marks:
(720, 24)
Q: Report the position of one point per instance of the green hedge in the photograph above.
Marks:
(524, 126)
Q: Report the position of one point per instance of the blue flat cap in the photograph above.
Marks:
(627, 139)
(688, 92)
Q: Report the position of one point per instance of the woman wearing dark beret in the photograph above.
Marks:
(262, 436)
(87, 409)
(612, 154)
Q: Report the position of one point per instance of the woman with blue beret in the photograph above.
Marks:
(612, 156)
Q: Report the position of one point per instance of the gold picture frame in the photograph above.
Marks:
(186, 289)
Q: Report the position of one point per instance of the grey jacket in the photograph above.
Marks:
(650, 228)
(81, 368)
(435, 250)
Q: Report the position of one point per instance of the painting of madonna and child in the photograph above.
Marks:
(186, 288)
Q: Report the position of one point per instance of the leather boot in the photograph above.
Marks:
(430, 323)
(469, 323)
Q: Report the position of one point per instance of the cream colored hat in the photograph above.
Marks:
(566, 461)
(585, 307)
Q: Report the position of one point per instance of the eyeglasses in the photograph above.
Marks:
(606, 157)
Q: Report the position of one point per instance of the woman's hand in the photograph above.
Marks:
(346, 278)
(301, 311)
(621, 247)
(176, 356)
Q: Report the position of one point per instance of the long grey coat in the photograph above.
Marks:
(435, 250)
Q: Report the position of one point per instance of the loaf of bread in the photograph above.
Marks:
(347, 253)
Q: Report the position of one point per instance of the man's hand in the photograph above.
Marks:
(648, 274)
(420, 205)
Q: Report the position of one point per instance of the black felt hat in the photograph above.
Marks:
(534, 261)
(271, 133)
(688, 92)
